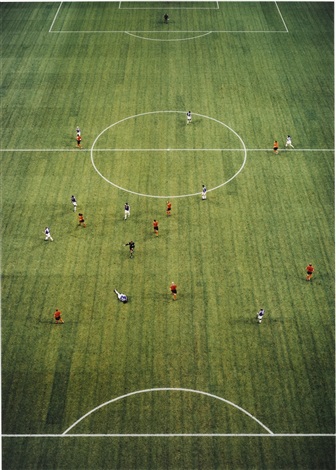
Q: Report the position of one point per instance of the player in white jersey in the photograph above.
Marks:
(188, 117)
(260, 315)
(204, 191)
(127, 210)
(289, 142)
(122, 297)
(48, 235)
(74, 203)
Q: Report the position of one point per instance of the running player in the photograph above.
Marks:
(173, 290)
(48, 234)
(131, 245)
(260, 315)
(156, 227)
(289, 142)
(81, 220)
(74, 203)
(309, 270)
(276, 147)
(127, 210)
(58, 316)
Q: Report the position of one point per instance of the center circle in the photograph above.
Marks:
(170, 196)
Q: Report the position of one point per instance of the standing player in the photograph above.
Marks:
(204, 191)
(79, 141)
(188, 117)
(131, 245)
(168, 208)
(276, 147)
(173, 290)
(309, 270)
(58, 316)
(78, 131)
(48, 234)
(260, 315)
(166, 18)
(81, 220)
(156, 227)
(74, 203)
(127, 210)
(122, 297)
(289, 142)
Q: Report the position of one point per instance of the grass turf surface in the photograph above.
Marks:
(244, 248)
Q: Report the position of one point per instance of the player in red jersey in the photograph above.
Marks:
(309, 270)
(156, 227)
(168, 209)
(173, 290)
(58, 316)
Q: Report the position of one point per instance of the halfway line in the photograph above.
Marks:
(165, 150)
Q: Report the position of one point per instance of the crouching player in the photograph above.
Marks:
(122, 297)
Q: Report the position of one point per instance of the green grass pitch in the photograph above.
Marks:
(194, 383)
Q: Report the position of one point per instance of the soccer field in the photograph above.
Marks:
(195, 383)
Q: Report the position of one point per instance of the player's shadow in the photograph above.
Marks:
(164, 23)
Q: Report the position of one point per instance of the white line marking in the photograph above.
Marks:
(166, 435)
(164, 150)
(44, 150)
(164, 390)
(52, 24)
(168, 32)
(293, 150)
(167, 40)
(281, 17)
(169, 196)
(169, 8)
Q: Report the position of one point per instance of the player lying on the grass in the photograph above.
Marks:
(122, 297)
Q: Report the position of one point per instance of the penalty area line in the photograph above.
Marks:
(53, 22)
